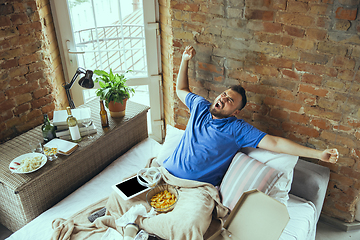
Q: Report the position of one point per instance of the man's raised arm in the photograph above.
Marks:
(182, 82)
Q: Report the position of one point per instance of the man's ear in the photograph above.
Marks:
(236, 112)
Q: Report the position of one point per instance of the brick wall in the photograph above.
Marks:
(31, 73)
(298, 61)
(167, 60)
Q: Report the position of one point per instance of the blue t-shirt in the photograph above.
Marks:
(208, 145)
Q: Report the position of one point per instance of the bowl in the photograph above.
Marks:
(149, 177)
(161, 188)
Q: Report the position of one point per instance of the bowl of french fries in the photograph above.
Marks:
(162, 198)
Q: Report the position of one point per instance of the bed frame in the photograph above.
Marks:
(310, 182)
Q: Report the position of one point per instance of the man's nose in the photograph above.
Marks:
(224, 98)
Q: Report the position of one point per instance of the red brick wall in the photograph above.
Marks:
(30, 68)
(298, 61)
(295, 58)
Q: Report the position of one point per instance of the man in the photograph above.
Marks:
(214, 135)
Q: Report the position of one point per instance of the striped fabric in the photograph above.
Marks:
(244, 174)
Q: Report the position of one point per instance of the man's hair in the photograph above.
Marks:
(239, 89)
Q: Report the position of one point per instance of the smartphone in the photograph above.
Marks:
(129, 188)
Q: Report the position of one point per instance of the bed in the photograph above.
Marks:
(304, 202)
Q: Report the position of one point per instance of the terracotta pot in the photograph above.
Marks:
(117, 109)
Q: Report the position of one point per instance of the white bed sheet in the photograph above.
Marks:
(302, 224)
(94, 190)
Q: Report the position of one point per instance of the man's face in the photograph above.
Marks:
(226, 104)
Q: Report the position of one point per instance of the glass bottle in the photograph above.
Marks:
(48, 130)
(103, 115)
(73, 126)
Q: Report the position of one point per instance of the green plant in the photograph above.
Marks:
(112, 87)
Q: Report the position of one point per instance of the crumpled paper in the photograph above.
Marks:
(132, 214)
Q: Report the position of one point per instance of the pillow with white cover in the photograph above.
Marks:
(172, 139)
(281, 162)
(244, 174)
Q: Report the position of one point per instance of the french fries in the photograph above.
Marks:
(49, 151)
(162, 200)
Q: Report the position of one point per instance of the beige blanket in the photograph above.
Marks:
(197, 206)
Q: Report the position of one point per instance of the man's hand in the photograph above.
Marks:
(330, 155)
(189, 53)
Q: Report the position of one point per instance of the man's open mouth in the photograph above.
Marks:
(218, 105)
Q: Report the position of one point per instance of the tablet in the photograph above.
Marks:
(129, 188)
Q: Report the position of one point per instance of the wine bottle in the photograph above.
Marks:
(48, 130)
(103, 115)
(73, 126)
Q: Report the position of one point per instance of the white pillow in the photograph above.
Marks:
(172, 139)
(244, 174)
(282, 162)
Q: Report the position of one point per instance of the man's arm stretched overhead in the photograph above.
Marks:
(182, 83)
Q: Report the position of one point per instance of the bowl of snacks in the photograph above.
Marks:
(162, 198)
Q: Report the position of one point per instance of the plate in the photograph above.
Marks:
(65, 147)
(13, 166)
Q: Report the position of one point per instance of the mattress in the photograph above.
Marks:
(300, 227)
(302, 224)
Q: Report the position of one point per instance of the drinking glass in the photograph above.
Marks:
(87, 122)
(36, 147)
(51, 151)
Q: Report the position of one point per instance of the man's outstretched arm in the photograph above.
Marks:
(282, 145)
(182, 82)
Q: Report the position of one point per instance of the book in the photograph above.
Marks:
(66, 127)
(65, 133)
(64, 146)
(80, 114)
(61, 128)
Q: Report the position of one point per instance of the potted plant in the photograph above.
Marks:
(113, 91)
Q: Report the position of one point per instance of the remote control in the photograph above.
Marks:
(97, 214)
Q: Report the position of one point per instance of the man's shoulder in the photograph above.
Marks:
(194, 99)
(194, 96)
